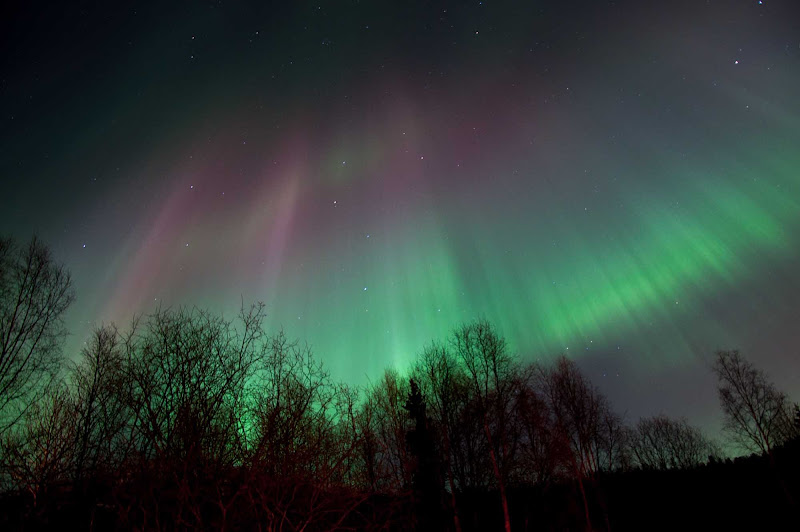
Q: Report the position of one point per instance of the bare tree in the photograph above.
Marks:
(186, 372)
(490, 370)
(443, 379)
(542, 452)
(35, 292)
(584, 422)
(101, 414)
(757, 415)
(293, 422)
(302, 440)
(38, 452)
(661, 442)
(384, 425)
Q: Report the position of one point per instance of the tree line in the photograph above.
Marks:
(186, 419)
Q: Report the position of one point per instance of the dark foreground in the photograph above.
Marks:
(753, 492)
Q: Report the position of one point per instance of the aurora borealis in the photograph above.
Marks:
(617, 181)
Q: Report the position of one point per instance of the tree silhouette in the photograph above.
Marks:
(426, 478)
(490, 371)
(445, 383)
(101, 414)
(661, 442)
(35, 292)
(39, 452)
(757, 415)
(584, 422)
(541, 451)
(385, 427)
(185, 372)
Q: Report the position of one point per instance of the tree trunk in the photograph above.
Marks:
(498, 476)
(456, 519)
(451, 481)
(585, 503)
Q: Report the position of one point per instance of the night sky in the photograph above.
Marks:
(615, 181)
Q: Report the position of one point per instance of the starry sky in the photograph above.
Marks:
(615, 181)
